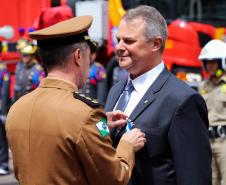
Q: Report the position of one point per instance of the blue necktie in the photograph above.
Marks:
(122, 103)
(124, 98)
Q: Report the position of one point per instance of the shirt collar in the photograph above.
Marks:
(144, 81)
(53, 82)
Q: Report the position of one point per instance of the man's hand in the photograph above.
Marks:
(116, 119)
(136, 138)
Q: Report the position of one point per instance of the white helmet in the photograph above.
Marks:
(214, 49)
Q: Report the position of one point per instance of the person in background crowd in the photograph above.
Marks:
(28, 72)
(114, 75)
(94, 86)
(57, 135)
(172, 115)
(4, 107)
(119, 74)
(21, 43)
(213, 89)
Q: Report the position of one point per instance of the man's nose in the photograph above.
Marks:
(120, 47)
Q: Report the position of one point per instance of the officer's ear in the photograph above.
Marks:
(157, 43)
(77, 54)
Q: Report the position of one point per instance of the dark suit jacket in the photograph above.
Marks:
(174, 119)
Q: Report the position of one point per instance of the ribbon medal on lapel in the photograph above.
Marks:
(129, 125)
(102, 127)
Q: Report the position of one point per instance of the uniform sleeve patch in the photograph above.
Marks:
(102, 127)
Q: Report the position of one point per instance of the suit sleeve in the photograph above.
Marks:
(101, 162)
(189, 141)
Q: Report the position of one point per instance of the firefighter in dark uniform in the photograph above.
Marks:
(213, 57)
(28, 72)
(4, 107)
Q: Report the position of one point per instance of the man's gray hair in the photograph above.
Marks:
(155, 24)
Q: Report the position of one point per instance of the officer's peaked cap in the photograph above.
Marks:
(66, 32)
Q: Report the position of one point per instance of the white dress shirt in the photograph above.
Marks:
(141, 85)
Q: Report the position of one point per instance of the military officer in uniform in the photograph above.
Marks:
(213, 89)
(28, 72)
(58, 136)
(4, 107)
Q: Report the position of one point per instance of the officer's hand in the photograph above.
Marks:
(136, 138)
(116, 119)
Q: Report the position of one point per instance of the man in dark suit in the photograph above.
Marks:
(172, 115)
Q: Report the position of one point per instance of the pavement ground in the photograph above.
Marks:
(10, 178)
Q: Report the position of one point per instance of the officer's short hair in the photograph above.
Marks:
(59, 55)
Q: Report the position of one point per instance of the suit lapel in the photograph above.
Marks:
(150, 95)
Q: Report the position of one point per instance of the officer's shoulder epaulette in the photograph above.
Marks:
(89, 101)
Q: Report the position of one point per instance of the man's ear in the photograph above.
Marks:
(157, 43)
(77, 56)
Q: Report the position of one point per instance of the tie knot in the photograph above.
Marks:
(129, 86)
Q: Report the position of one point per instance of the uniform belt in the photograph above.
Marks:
(218, 131)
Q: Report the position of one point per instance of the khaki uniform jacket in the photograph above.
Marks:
(55, 141)
(215, 97)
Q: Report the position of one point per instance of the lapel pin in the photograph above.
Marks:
(145, 101)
